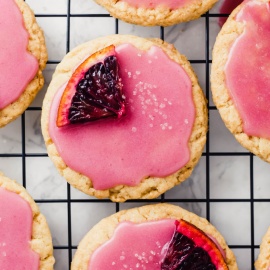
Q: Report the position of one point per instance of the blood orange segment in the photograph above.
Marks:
(94, 90)
(191, 249)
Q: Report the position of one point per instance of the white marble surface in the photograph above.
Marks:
(229, 176)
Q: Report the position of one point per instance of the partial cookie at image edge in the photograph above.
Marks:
(263, 261)
(221, 97)
(156, 16)
(37, 48)
(104, 230)
(41, 240)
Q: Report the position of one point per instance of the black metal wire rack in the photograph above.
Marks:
(23, 154)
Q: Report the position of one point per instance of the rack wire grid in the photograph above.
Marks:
(229, 186)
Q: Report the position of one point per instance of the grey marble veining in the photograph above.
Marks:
(194, 188)
(229, 176)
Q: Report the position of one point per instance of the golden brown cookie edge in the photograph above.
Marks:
(263, 261)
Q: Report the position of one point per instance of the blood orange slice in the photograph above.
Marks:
(191, 249)
(94, 90)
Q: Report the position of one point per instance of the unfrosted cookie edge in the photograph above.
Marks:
(263, 261)
(228, 112)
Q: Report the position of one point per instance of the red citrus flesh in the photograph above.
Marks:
(94, 90)
(191, 249)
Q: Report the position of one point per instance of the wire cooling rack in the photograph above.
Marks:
(229, 185)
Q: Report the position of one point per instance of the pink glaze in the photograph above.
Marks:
(15, 233)
(134, 246)
(227, 7)
(17, 66)
(172, 4)
(138, 246)
(248, 69)
(222, 251)
(150, 140)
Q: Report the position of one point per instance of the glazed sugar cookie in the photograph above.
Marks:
(157, 12)
(153, 237)
(263, 262)
(25, 239)
(240, 76)
(124, 117)
(23, 57)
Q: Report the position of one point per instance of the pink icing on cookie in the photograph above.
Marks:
(150, 140)
(15, 233)
(134, 246)
(17, 66)
(173, 4)
(248, 70)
